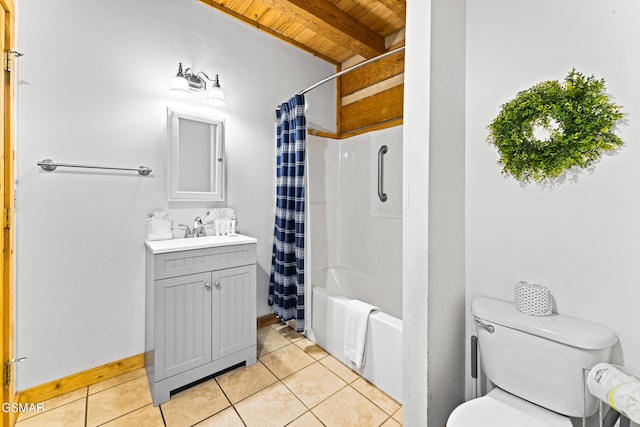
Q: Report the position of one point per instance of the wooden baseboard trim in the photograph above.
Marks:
(267, 320)
(73, 382)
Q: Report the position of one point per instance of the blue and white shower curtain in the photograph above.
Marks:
(286, 287)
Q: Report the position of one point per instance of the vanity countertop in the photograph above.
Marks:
(189, 243)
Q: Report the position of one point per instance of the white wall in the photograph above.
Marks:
(92, 88)
(415, 205)
(446, 210)
(579, 239)
(433, 211)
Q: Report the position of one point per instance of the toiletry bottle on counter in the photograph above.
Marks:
(232, 231)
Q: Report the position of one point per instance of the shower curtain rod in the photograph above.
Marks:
(348, 70)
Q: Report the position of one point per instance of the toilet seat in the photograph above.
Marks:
(501, 409)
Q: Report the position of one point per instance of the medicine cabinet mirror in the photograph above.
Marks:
(196, 157)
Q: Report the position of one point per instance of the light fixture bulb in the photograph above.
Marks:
(179, 84)
(180, 87)
(215, 96)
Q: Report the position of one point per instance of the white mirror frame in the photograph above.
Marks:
(216, 144)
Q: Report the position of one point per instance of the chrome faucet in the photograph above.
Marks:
(187, 231)
(198, 228)
(196, 231)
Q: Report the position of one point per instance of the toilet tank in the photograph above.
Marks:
(540, 359)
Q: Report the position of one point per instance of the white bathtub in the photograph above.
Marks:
(383, 360)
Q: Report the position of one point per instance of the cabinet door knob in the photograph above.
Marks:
(207, 285)
(217, 284)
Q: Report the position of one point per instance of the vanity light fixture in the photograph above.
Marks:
(185, 82)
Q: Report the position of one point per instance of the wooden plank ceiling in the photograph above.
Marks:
(344, 33)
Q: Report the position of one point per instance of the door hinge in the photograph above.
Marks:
(6, 374)
(8, 58)
(6, 370)
(6, 218)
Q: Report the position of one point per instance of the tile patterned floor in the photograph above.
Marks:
(294, 383)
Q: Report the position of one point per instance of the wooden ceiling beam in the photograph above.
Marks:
(267, 30)
(399, 7)
(324, 18)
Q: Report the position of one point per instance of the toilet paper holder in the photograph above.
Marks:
(610, 418)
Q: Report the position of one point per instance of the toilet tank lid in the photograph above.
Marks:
(559, 328)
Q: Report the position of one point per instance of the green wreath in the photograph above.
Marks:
(550, 128)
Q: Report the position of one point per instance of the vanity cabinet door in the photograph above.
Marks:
(235, 317)
(183, 323)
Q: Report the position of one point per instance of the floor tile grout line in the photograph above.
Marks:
(216, 413)
(385, 420)
(86, 407)
(87, 394)
(229, 400)
(214, 379)
(356, 390)
(292, 373)
(115, 385)
(255, 392)
(334, 372)
(56, 407)
(317, 404)
(18, 421)
(346, 384)
(397, 410)
(275, 375)
(302, 415)
(164, 422)
(294, 395)
(272, 351)
(272, 373)
(122, 415)
(290, 341)
(377, 406)
(275, 349)
(239, 416)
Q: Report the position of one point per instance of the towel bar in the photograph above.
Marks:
(49, 166)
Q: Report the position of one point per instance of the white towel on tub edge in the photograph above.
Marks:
(355, 332)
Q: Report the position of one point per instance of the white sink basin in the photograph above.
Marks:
(189, 243)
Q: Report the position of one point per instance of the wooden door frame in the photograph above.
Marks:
(7, 184)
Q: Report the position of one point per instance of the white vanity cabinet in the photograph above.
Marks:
(200, 309)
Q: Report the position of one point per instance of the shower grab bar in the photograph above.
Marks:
(49, 166)
(381, 152)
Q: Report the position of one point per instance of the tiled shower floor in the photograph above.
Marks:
(294, 383)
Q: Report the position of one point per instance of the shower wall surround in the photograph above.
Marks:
(80, 251)
(351, 229)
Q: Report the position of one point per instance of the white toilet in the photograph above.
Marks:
(536, 365)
